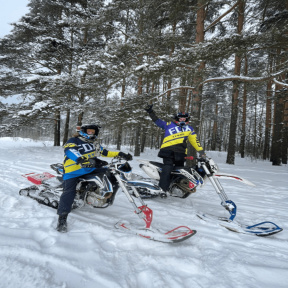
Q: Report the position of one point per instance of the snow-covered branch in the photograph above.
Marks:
(245, 78)
(173, 89)
(280, 83)
(223, 15)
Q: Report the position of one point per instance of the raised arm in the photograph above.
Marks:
(150, 111)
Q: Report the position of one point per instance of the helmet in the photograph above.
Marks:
(182, 115)
(83, 131)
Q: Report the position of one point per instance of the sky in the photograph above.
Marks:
(11, 11)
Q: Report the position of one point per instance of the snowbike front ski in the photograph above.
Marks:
(265, 228)
(175, 235)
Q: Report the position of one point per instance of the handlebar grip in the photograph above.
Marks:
(189, 158)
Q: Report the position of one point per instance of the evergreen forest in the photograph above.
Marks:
(72, 62)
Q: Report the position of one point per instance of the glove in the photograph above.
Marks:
(99, 163)
(127, 157)
(148, 108)
(202, 155)
(91, 162)
(86, 163)
(81, 160)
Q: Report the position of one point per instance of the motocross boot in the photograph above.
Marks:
(62, 223)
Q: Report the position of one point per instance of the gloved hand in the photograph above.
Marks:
(91, 162)
(127, 157)
(203, 155)
(81, 160)
(86, 163)
(99, 163)
(148, 108)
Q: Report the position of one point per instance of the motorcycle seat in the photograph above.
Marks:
(160, 165)
(182, 167)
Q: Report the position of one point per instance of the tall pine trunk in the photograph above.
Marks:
(137, 143)
(57, 128)
(267, 136)
(233, 121)
(143, 138)
(215, 130)
(119, 131)
(197, 97)
(244, 114)
(200, 33)
(285, 131)
(276, 149)
(66, 127)
(235, 95)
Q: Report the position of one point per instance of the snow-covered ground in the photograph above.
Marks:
(94, 254)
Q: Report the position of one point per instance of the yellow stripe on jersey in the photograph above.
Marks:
(71, 166)
(179, 138)
(180, 135)
(175, 139)
(70, 145)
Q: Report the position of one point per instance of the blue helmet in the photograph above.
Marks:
(83, 131)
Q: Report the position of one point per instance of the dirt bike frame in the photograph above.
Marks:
(143, 211)
(153, 169)
(229, 205)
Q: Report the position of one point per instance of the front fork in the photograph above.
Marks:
(143, 211)
(229, 205)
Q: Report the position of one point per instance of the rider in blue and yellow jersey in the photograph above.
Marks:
(80, 160)
(174, 147)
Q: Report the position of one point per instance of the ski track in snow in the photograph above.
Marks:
(95, 254)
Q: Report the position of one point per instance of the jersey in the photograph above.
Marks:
(175, 137)
(75, 148)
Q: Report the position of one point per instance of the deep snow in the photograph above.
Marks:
(94, 254)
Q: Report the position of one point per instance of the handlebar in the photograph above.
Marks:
(200, 159)
(189, 158)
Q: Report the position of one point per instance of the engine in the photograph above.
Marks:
(94, 192)
(96, 200)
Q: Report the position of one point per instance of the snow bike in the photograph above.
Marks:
(184, 181)
(97, 192)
